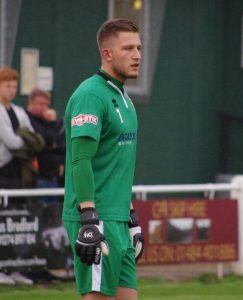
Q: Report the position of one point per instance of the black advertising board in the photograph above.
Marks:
(32, 236)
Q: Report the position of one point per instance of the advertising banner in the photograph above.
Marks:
(188, 231)
(32, 236)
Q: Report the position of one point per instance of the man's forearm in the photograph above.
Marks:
(83, 150)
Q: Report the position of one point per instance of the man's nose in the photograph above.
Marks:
(137, 54)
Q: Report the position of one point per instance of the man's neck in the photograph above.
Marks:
(5, 103)
(112, 74)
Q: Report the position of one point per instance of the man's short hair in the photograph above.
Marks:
(38, 92)
(113, 27)
(8, 74)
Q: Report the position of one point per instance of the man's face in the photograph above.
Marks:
(8, 90)
(125, 55)
(38, 106)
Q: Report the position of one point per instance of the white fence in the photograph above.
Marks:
(235, 188)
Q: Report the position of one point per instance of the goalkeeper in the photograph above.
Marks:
(101, 134)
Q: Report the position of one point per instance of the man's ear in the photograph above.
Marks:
(107, 54)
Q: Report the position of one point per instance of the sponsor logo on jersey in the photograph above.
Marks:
(126, 138)
(82, 119)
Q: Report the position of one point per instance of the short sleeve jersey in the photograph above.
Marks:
(103, 112)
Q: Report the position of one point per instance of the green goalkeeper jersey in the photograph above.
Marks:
(100, 109)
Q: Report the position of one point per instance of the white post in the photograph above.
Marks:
(237, 267)
(2, 32)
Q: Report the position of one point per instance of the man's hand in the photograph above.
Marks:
(90, 243)
(136, 234)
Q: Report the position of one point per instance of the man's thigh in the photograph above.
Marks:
(96, 296)
(122, 293)
(126, 293)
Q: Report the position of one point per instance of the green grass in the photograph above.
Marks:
(205, 288)
(230, 288)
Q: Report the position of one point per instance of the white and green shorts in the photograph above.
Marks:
(118, 269)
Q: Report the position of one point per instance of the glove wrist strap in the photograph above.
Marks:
(133, 219)
(88, 215)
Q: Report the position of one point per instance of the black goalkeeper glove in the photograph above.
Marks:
(136, 234)
(90, 243)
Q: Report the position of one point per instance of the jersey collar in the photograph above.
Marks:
(106, 76)
(117, 85)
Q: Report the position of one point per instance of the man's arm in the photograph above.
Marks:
(9, 137)
(83, 151)
(90, 242)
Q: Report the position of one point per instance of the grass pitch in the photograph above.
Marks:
(204, 288)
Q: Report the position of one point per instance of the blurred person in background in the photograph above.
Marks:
(51, 158)
(12, 117)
